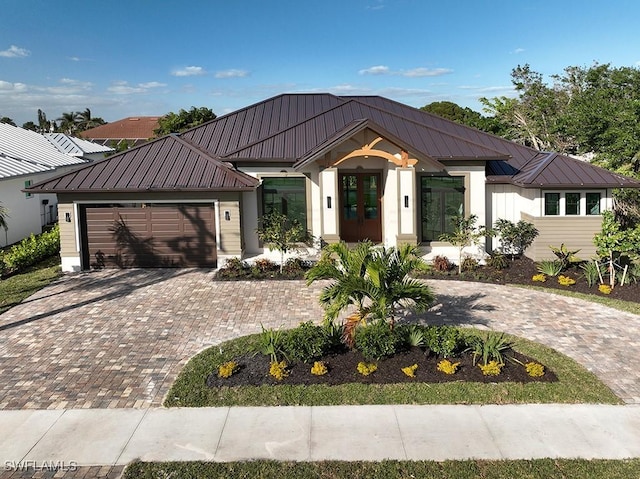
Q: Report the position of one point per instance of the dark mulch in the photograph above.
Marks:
(521, 270)
(254, 371)
(263, 270)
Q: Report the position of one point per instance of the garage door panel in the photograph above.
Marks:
(156, 236)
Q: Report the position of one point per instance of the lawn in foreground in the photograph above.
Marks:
(18, 287)
(521, 469)
(575, 385)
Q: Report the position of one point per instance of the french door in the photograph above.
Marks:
(360, 207)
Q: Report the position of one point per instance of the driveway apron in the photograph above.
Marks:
(119, 338)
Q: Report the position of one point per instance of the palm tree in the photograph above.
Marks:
(374, 279)
(86, 121)
(69, 122)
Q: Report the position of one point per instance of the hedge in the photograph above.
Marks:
(29, 251)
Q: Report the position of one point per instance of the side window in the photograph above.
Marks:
(572, 203)
(593, 203)
(551, 204)
(27, 184)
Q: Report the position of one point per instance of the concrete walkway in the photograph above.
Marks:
(118, 436)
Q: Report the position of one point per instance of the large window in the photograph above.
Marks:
(593, 203)
(286, 196)
(442, 199)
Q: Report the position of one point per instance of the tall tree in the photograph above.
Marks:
(183, 120)
(86, 121)
(69, 122)
(44, 125)
(465, 116)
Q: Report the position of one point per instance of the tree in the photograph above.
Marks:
(29, 125)
(7, 120)
(69, 122)
(44, 125)
(464, 116)
(183, 120)
(86, 121)
(464, 235)
(4, 214)
(374, 279)
(282, 234)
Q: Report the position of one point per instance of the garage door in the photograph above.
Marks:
(149, 236)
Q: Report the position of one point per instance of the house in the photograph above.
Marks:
(348, 167)
(134, 130)
(26, 158)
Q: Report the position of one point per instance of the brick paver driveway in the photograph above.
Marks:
(119, 338)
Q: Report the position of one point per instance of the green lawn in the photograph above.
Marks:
(575, 385)
(16, 288)
(535, 469)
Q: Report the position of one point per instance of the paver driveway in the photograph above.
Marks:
(119, 338)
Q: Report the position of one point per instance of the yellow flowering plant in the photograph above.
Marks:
(367, 368)
(319, 368)
(410, 370)
(227, 369)
(448, 367)
(604, 289)
(539, 277)
(278, 370)
(535, 370)
(492, 368)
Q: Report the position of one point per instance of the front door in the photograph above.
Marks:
(360, 209)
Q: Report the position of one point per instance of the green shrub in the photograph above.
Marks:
(443, 340)
(31, 250)
(469, 264)
(550, 267)
(497, 261)
(490, 347)
(377, 340)
(590, 273)
(306, 343)
(334, 334)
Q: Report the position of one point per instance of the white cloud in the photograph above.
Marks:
(232, 73)
(189, 72)
(425, 72)
(375, 70)
(152, 84)
(379, 5)
(518, 50)
(413, 73)
(15, 52)
(123, 87)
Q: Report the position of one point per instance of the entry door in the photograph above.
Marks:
(360, 209)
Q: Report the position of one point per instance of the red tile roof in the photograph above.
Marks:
(131, 128)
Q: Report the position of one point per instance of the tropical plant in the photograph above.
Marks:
(465, 234)
(183, 120)
(549, 267)
(271, 343)
(566, 256)
(614, 241)
(441, 263)
(497, 260)
(515, 238)
(69, 122)
(282, 234)
(376, 280)
(489, 347)
(415, 336)
(469, 264)
(86, 121)
(590, 272)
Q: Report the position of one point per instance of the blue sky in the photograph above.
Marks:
(147, 57)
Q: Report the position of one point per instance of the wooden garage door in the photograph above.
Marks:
(149, 236)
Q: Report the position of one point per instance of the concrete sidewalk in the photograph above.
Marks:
(118, 436)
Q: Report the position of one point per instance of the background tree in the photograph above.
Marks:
(86, 121)
(44, 125)
(69, 122)
(7, 120)
(465, 116)
(29, 125)
(183, 120)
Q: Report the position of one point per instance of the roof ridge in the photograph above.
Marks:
(439, 130)
(279, 132)
(240, 176)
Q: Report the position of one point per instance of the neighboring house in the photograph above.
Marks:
(27, 157)
(348, 167)
(134, 130)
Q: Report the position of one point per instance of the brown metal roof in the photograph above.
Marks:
(296, 128)
(167, 164)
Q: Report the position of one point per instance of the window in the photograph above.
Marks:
(593, 203)
(287, 196)
(442, 199)
(551, 204)
(27, 184)
(572, 203)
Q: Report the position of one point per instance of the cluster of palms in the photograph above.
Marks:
(374, 280)
(76, 121)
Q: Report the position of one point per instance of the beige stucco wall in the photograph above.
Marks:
(230, 241)
(576, 232)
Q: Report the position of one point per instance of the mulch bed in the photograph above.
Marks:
(254, 371)
(521, 270)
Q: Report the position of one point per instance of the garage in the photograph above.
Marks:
(148, 235)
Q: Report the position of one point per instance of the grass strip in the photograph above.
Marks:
(575, 385)
(16, 288)
(471, 469)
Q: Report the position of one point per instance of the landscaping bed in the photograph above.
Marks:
(342, 368)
